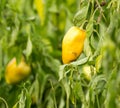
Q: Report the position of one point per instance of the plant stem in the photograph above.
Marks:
(4, 102)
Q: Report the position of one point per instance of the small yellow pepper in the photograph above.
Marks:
(16, 72)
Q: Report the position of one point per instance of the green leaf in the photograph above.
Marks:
(66, 87)
(53, 8)
(98, 63)
(89, 27)
(1, 59)
(113, 93)
(52, 63)
(80, 16)
(34, 91)
(28, 49)
(62, 103)
(79, 94)
(22, 100)
(67, 90)
(28, 100)
(87, 48)
(61, 72)
(80, 62)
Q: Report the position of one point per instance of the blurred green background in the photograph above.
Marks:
(35, 29)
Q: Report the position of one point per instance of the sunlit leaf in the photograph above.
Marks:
(28, 50)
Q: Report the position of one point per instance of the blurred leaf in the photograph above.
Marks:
(78, 91)
(80, 16)
(89, 27)
(53, 64)
(98, 63)
(62, 20)
(22, 100)
(28, 50)
(53, 8)
(28, 100)
(61, 72)
(80, 62)
(62, 103)
(70, 2)
(34, 91)
(1, 59)
(87, 48)
(67, 90)
(112, 94)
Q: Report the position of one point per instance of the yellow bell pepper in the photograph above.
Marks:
(16, 72)
(72, 44)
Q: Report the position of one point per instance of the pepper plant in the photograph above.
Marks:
(35, 29)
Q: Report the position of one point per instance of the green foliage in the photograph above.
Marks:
(53, 85)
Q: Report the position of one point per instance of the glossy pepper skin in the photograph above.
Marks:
(16, 72)
(72, 44)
